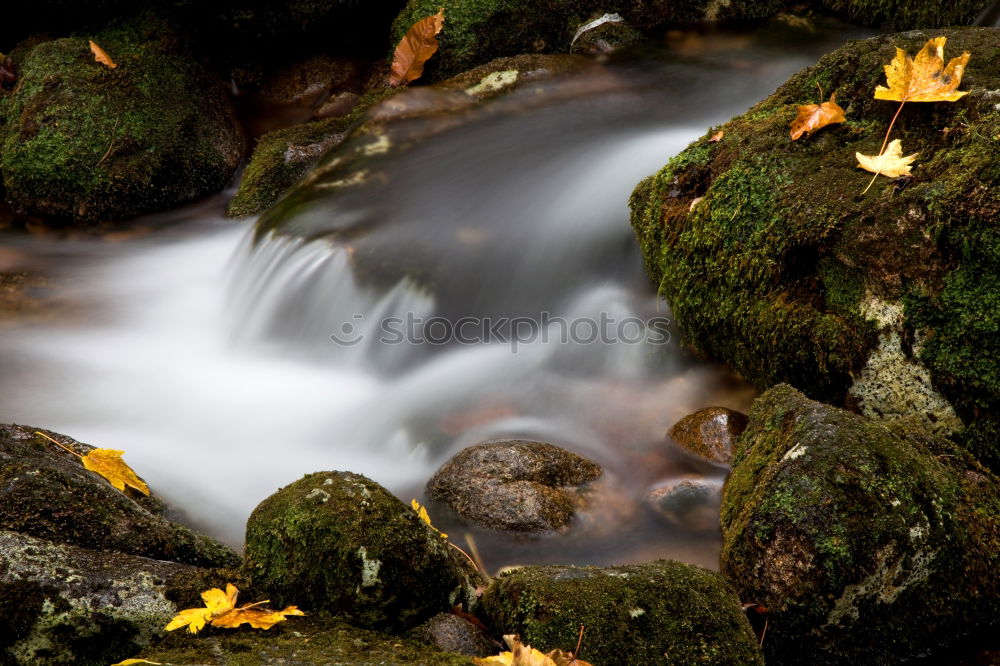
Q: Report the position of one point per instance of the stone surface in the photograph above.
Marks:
(46, 492)
(774, 261)
(689, 504)
(85, 143)
(70, 606)
(516, 485)
(340, 542)
(662, 612)
(711, 433)
(451, 633)
(867, 542)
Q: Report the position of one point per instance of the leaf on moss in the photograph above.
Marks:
(417, 46)
(890, 163)
(924, 78)
(424, 516)
(220, 611)
(525, 655)
(130, 662)
(101, 56)
(812, 117)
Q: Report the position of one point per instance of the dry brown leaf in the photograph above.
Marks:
(101, 56)
(812, 117)
(418, 44)
(890, 163)
(924, 78)
(715, 138)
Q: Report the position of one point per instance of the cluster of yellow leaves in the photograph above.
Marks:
(109, 464)
(525, 655)
(220, 611)
(101, 56)
(417, 46)
(424, 516)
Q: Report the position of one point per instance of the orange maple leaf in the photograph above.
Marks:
(812, 117)
(101, 56)
(924, 78)
(417, 46)
(220, 611)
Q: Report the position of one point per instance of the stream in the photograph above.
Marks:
(226, 369)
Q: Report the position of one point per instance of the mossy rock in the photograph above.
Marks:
(868, 543)
(661, 612)
(69, 606)
(46, 492)
(86, 143)
(339, 542)
(775, 260)
(313, 639)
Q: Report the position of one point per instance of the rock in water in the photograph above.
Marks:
(340, 542)
(773, 260)
(47, 493)
(710, 433)
(662, 612)
(868, 543)
(516, 485)
(82, 142)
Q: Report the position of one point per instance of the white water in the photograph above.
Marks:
(212, 366)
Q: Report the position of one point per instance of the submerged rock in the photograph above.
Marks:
(662, 612)
(711, 433)
(690, 504)
(774, 261)
(604, 34)
(71, 606)
(867, 542)
(516, 485)
(82, 142)
(340, 542)
(46, 492)
(451, 633)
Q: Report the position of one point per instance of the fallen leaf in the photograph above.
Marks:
(424, 516)
(109, 464)
(924, 78)
(890, 163)
(525, 655)
(8, 72)
(812, 117)
(220, 611)
(715, 138)
(129, 662)
(101, 56)
(418, 44)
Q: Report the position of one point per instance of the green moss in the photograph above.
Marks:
(909, 15)
(657, 613)
(867, 543)
(337, 541)
(768, 271)
(84, 142)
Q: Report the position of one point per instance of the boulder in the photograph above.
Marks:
(867, 542)
(516, 485)
(70, 606)
(662, 612)
(46, 492)
(339, 542)
(776, 260)
(710, 433)
(82, 142)
(452, 633)
(604, 34)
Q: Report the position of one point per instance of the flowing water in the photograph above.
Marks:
(226, 369)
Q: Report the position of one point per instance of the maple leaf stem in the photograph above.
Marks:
(63, 446)
(889, 131)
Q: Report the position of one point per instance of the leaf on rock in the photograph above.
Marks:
(525, 655)
(101, 56)
(130, 662)
(717, 137)
(417, 46)
(109, 464)
(890, 163)
(924, 78)
(220, 611)
(424, 516)
(812, 117)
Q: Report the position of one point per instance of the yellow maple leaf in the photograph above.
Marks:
(890, 163)
(101, 56)
(525, 655)
(130, 662)
(109, 464)
(924, 78)
(220, 611)
(424, 516)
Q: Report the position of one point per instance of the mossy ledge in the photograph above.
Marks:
(868, 543)
(774, 261)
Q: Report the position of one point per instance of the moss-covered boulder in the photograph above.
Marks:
(868, 543)
(83, 142)
(340, 542)
(774, 258)
(47, 493)
(662, 612)
(70, 606)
